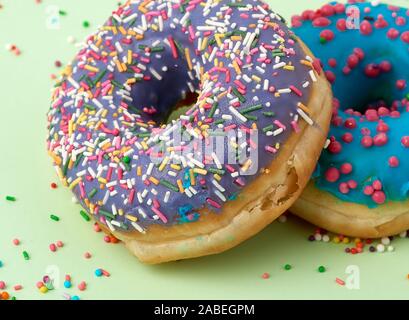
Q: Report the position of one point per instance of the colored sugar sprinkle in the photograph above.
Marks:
(85, 215)
(54, 217)
(86, 24)
(10, 198)
(26, 255)
(287, 267)
(321, 269)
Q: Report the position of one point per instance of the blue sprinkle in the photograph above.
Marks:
(75, 298)
(67, 284)
(98, 272)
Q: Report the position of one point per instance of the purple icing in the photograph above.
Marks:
(101, 140)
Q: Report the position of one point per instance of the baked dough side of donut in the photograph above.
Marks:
(260, 203)
(327, 211)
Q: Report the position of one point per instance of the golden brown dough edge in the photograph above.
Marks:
(260, 203)
(327, 211)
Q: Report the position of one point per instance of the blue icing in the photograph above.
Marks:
(356, 90)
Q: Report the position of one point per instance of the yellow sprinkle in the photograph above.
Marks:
(200, 171)
(236, 38)
(131, 218)
(180, 185)
(102, 180)
(119, 65)
(175, 166)
(217, 36)
(187, 55)
(303, 107)
(122, 30)
(204, 44)
(246, 165)
(91, 68)
(217, 177)
(144, 145)
(154, 180)
(306, 63)
(192, 177)
(236, 67)
(163, 164)
(74, 183)
(129, 56)
(289, 68)
(139, 170)
(255, 78)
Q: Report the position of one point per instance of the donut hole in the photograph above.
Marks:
(182, 106)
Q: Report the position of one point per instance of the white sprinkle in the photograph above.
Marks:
(305, 116)
(237, 114)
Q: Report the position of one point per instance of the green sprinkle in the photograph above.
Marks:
(126, 159)
(220, 121)
(86, 24)
(100, 76)
(89, 107)
(117, 84)
(169, 185)
(321, 269)
(62, 13)
(268, 128)
(217, 171)
(213, 109)
(26, 256)
(239, 95)
(107, 214)
(157, 49)
(78, 160)
(1, 263)
(85, 215)
(92, 193)
(250, 117)
(54, 217)
(323, 40)
(287, 267)
(407, 96)
(237, 5)
(10, 198)
(251, 109)
(269, 113)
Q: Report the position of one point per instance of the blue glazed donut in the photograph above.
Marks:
(155, 185)
(364, 50)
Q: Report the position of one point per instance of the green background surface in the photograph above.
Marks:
(26, 173)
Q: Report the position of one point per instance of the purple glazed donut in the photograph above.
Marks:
(168, 190)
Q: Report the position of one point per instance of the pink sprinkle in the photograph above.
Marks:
(87, 255)
(340, 282)
(379, 197)
(332, 174)
(377, 185)
(53, 247)
(265, 275)
(16, 242)
(393, 162)
(213, 203)
(405, 141)
(380, 139)
(346, 168)
(82, 286)
(368, 190)
(343, 188)
(2, 285)
(18, 287)
(60, 244)
(367, 142)
(160, 214)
